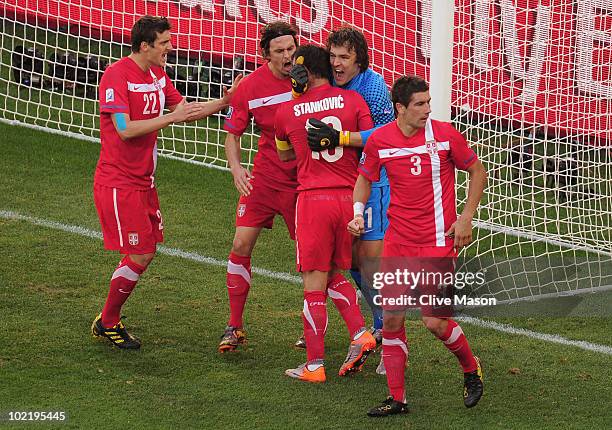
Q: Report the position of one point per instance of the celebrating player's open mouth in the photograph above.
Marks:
(339, 75)
(287, 65)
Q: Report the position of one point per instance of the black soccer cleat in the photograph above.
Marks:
(473, 386)
(388, 407)
(117, 334)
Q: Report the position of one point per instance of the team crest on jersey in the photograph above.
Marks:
(229, 113)
(156, 84)
(133, 239)
(110, 95)
(363, 158)
(432, 147)
(241, 210)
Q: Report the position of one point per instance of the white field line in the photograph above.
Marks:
(505, 328)
(552, 338)
(554, 240)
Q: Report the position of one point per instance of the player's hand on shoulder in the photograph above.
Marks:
(242, 180)
(321, 136)
(299, 80)
(356, 226)
(461, 232)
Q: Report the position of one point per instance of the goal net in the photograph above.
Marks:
(531, 89)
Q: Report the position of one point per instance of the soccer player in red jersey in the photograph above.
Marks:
(133, 94)
(420, 156)
(326, 178)
(270, 189)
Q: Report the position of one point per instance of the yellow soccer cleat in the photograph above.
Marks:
(117, 334)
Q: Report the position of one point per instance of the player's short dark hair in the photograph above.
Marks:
(146, 30)
(352, 39)
(272, 31)
(403, 89)
(316, 60)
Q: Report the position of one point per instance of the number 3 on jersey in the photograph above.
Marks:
(416, 165)
(151, 106)
(335, 122)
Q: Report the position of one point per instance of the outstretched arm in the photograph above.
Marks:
(206, 109)
(322, 136)
(129, 129)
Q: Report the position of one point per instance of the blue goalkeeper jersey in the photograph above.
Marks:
(373, 89)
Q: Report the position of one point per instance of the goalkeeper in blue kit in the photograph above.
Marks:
(350, 66)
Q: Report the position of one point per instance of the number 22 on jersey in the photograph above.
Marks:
(151, 105)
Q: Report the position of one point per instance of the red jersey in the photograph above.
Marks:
(342, 109)
(126, 88)
(259, 96)
(421, 172)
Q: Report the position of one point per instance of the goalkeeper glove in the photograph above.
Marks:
(299, 79)
(322, 136)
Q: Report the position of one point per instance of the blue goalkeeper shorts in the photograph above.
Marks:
(375, 214)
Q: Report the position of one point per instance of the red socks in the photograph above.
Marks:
(122, 283)
(314, 317)
(238, 285)
(457, 343)
(395, 354)
(344, 296)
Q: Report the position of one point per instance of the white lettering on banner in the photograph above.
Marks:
(206, 5)
(528, 70)
(481, 35)
(426, 28)
(532, 73)
(328, 103)
(265, 12)
(319, 14)
(587, 37)
(232, 7)
(531, 61)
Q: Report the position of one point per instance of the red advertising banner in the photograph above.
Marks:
(530, 61)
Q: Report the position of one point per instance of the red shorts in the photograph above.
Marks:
(130, 219)
(323, 242)
(259, 208)
(435, 266)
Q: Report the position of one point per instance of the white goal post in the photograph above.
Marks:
(529, 82)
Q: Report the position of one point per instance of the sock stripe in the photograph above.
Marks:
(454, 336)
(333, 294)
(125, 272)
(395, 342)
(308, 317)
(238, 269)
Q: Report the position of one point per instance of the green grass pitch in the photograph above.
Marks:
(52, 284)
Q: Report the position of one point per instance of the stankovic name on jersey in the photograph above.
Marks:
(328, 103)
